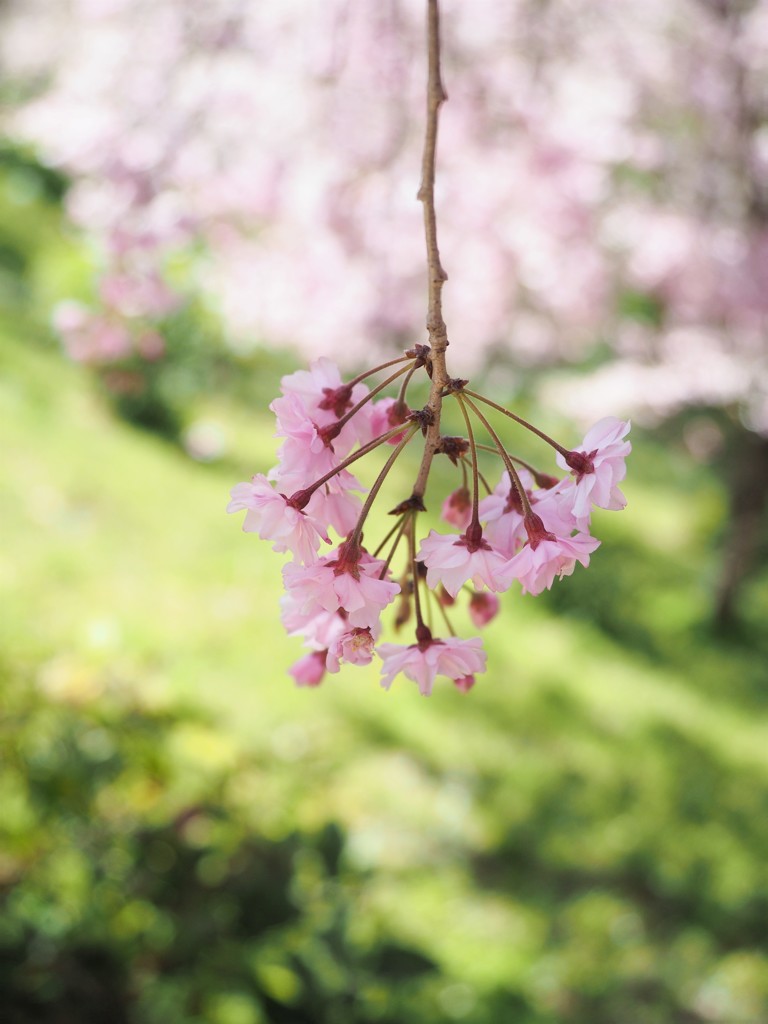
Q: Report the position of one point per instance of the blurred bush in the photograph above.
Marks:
(137, 887)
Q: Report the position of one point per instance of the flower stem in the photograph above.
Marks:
(514, 476)
(371, 394)
(475, 469)
(443, 612)
(518, 419)
(535, 473)
(415, 573)
(404, 385)
(400, 527)
(397, 526)
(307, 492)
(369, 373)
(483, 480)
(354, 538)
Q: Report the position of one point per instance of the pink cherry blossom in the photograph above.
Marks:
(598, 466)
(334, 504)
(320, 395)
(338, 582)
(483, 608)
(271, 515)
(309, 670)
(319, 627)
(501, 512)
(537, 567)
(555, 507)
(312, 386)
(305, 455)
(324, 395)
(421, 662)
(453, 560)
(354, 646)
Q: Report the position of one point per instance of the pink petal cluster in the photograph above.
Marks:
(309, 670)
(271, 515)
(455, 658)
(318, 627)
(355, 646)
(501, 512)
(307, 413)
(356, 588)
(453, 560)
(483, 608)
(536, 567)
(317, 398)
(598, 466)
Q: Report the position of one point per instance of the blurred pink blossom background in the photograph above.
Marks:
(602, 183)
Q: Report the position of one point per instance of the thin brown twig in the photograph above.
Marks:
(436, 329)
(404, 385)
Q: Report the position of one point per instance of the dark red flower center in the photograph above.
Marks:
(581, 463)
(337, 400)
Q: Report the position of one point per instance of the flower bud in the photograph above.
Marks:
(483, 608)
(309, 670)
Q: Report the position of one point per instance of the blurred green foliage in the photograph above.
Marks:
(185, 838)
(135, 886)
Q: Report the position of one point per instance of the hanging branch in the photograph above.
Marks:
(436, 329)
(349, 582)
(436, 96)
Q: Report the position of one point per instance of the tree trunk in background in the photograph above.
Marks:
(744, 549)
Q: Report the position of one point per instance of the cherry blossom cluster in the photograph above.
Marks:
(530, 528)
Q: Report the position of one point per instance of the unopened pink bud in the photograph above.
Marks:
(464, 683)
(309, 670)
(457, 508)
(483, 608)
(546, 481)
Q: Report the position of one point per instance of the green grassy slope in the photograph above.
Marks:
(582, 837)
